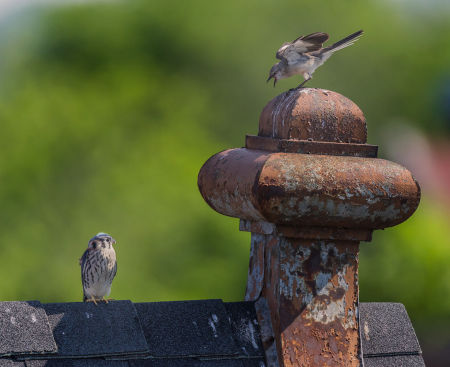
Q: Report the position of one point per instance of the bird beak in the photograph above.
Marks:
(274, 79)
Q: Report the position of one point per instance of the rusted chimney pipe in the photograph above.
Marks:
(309, 189)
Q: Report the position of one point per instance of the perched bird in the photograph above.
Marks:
(98, 268)
(305, 54)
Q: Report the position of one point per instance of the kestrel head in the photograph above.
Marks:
(101, 240)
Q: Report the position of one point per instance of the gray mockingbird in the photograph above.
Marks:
(305, 54)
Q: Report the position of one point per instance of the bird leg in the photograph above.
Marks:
(301, 85)
(92, 299)
(306, 76)
(106, 300)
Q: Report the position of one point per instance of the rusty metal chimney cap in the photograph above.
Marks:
(313, 114)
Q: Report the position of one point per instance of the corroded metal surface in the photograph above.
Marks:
(318, 190)
(226, 182)
(310, 147)
(267, 334)
(309, 190)
(312, 233)
(311, 288)
(315, 114)
(255, 268)
(324, 331)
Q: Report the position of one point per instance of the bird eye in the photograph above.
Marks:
(94, 244)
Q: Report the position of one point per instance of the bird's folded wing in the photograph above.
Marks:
(83, 259)
(114, 270)
(311, 42)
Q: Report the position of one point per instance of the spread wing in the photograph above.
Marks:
(291, 51)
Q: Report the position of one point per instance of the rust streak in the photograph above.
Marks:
(308, 188)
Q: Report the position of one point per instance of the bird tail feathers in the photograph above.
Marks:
(345, 42)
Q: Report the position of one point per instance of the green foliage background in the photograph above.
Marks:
(108, 111)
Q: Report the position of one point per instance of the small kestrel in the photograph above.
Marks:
(98, 268)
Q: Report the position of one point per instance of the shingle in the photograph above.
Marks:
(187, 328)
(24, 329)
(90, 362)
(395, 361)
(244, 324)
(185, 362)
(254, 362)
(6, 362)
(386, 329)
(84, 329)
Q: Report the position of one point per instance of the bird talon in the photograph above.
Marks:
(92, 299)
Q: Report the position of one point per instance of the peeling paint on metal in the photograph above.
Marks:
(256, 268)
(305, 232)
(267, 333)
(309, 113)
(313, 297)
(309, 189)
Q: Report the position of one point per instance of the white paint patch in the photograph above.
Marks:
(212, 325)
(13, 320)
(335, 310)
(88, 315)
(247, 332)
(366, 331)
(33, 318)
(215, 318)
(252, 333)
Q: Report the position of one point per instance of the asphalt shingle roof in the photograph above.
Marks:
(387, 336)
(244, 324)
(386, 329)
(91, 362)
(207, 333)
(6, 362)
(24, 329)
(82, 330)
(395, 361)
(190, 328)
